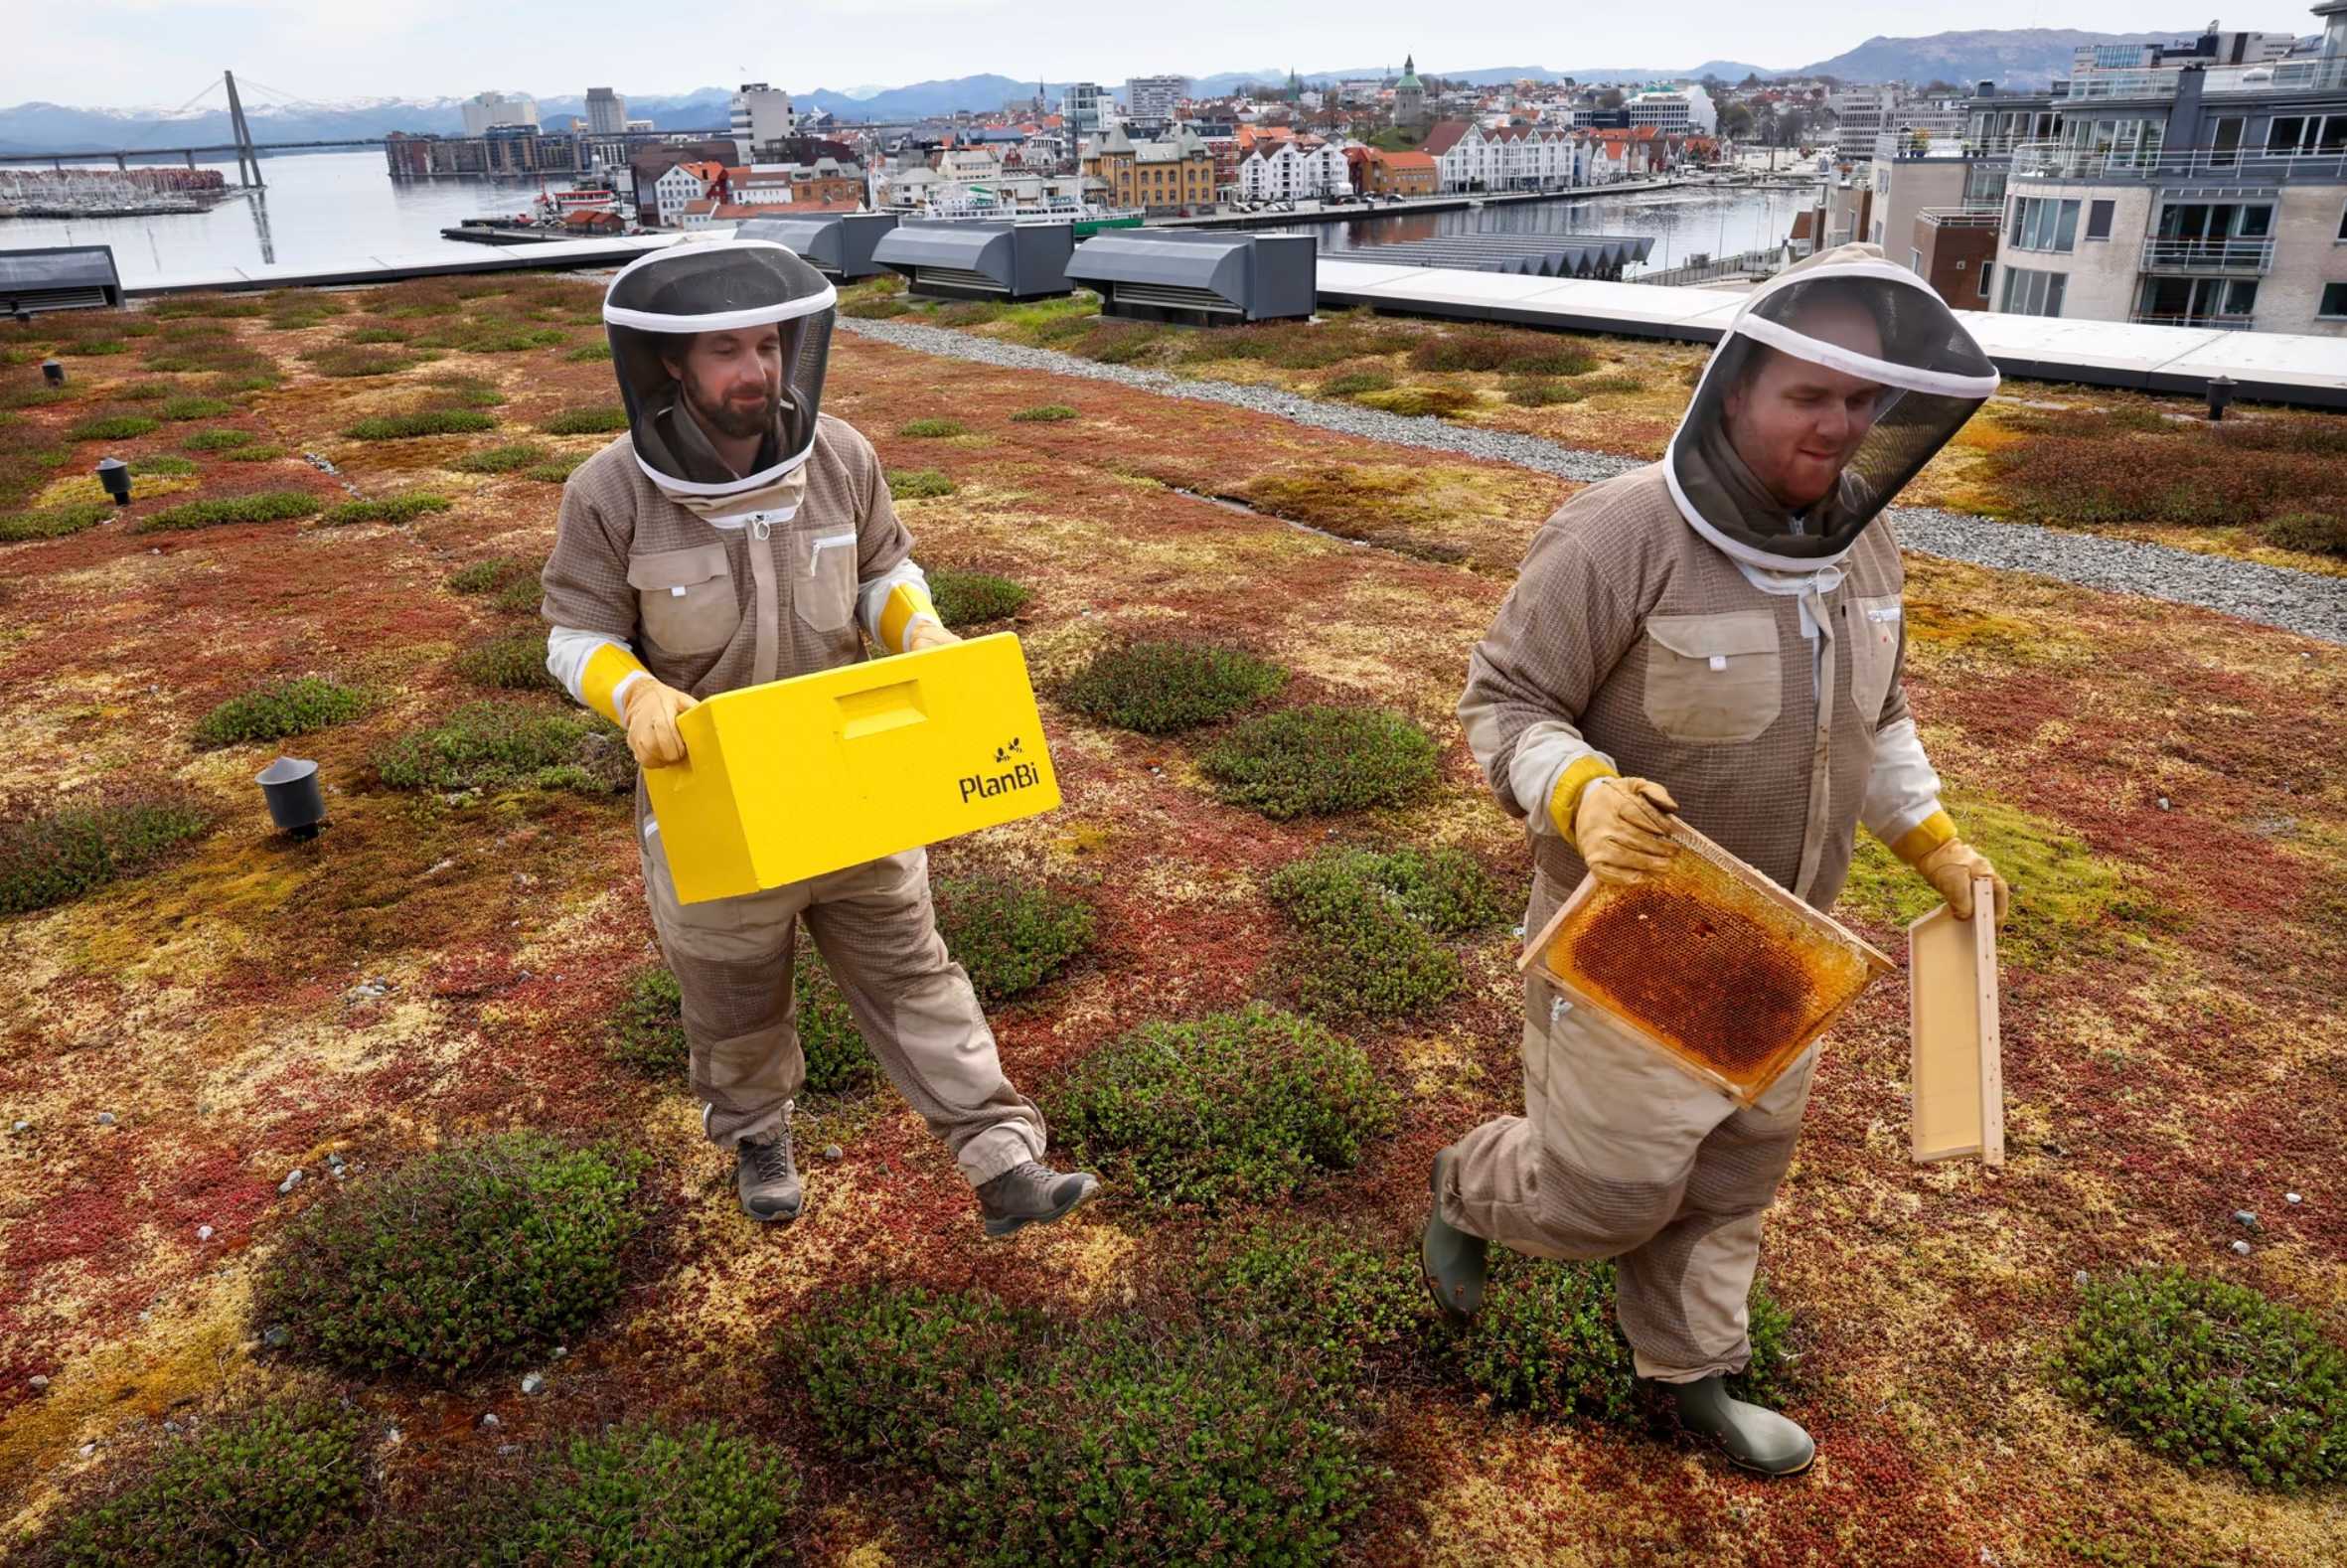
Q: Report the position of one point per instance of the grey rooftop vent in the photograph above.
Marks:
(64, 277)
(954, 259)
(837, 245)
(1203, 278)
(1536, 255)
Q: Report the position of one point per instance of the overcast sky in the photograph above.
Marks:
(156, 53)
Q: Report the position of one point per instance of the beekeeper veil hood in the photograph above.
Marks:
(1833, 385)
(731, 300)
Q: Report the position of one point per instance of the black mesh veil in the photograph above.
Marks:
(660, 303)
(1892, 374)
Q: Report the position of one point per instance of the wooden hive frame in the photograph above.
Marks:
(1956, 1068)
(1805, 925)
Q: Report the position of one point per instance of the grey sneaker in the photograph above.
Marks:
(766, 1178)
(1451, 1261)
(1029, 1193)
(1757, 1439)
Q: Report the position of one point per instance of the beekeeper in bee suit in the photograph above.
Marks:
(737, 535)
(1716, 635)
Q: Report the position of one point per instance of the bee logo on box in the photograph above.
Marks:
(985, 786)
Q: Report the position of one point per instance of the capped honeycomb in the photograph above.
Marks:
(1709, 962)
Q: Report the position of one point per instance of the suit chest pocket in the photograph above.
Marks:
(684, 598)
(1713, 679)
(823, 569)
(1872, 627)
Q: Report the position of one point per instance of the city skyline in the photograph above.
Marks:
(151, 50)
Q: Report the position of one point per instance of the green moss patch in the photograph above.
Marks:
(2067, 900)
(2211, 1375)
(511, 745)
(215, 440)
(1009, 936)
(499, 459)
(589, 353)
(604, 420)
(347, 361)
(1313, 1293)
(555, 470)
(259, 506)
(256, 454)
(1355, 382)
(1095, 1443)
(494, 575)
(1511, 351)
(1375, 928)
(51, 522)
(78, 846)
(1419, 402)
(918, 484)
(113, 427)
(2315, 533)
(1546, 1341)
(424, 421)
(874, 309)
(286, 707)
(1162, 688)
(475, 1256)
(267, 1484)
(1044, 414)
(932, 429)
(1231, 1108)
(638, 1492)
(194, 407)
(1313, 762)
(973, 598)
(405, 507)
(1541, 392)
(513, 664)
(162, 465)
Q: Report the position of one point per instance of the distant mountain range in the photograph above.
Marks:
(2012, 57)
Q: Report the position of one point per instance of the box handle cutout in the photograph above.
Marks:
(884, 708)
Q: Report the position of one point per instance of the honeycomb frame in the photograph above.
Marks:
(1735, 1023)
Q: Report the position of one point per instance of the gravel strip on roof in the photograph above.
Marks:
(2305, 602)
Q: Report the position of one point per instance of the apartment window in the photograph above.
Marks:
(1915, 262)
(2334, 301)
(2033, 293)
(1987, 267)
(2042, 224)
(2099, 220)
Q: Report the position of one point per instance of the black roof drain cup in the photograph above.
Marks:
(296, 801)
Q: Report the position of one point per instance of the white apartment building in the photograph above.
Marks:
(761, 114)
(680, 188)
(1685, 108)
(1861, 114)
(606, 113)
(1470, 156)
(484, 109)
(1289, 172)
(1154, 100)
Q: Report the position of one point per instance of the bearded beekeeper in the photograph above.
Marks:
(1716, 635)
(737, 535)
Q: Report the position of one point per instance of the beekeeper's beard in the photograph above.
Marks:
(730, 414)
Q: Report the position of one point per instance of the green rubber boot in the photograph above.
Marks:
(1755, 1438)
(1450, 1260)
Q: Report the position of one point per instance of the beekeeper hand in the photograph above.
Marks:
(1619, 828)
(652, 711)
(927, 633)
(1950, 868)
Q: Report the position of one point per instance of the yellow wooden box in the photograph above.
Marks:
(798, 778)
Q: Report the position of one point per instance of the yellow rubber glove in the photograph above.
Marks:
(1619, 828)
(927, 634)
(650, 718)
(1949, 870)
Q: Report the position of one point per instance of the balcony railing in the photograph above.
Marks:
(2095, 84)
(2223, 323)
(2050, 160)
(2319, 74)
(2208, 256)
(1963, 217)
